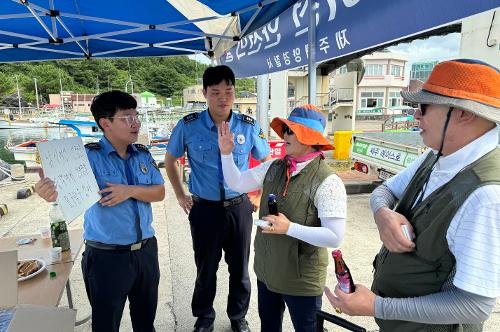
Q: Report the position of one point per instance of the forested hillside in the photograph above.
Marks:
(165, 77)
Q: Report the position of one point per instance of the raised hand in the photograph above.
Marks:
(226, 138)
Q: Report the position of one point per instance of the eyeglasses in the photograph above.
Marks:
(423, 108)
(130, 119)
(287, 130)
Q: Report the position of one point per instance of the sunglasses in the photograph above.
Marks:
(287, 130)
(423, 108)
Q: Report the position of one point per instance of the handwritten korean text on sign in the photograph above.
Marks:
(65, 162)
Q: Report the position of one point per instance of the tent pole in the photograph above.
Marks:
(312, 53)
(263, 103)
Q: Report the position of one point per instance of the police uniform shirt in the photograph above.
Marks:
(116, 224)
(197, 135)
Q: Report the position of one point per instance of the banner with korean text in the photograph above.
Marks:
(342, 27)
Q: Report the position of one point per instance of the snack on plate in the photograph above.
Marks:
(25, 268)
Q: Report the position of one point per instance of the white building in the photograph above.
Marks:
(480, 37)
(146, 99)
(376, 94)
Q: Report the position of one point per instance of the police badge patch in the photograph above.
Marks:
(144, 168)
(240, 139)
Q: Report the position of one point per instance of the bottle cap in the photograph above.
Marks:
(271, 196)
(52, 274)
(336, 253)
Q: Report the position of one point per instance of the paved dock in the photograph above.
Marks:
(177, 263)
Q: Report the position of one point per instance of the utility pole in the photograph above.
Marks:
(129, 79)
(19, 98)
(36, 95)
(61, 95)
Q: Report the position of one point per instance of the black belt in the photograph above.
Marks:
(226, 203)
(128, 247)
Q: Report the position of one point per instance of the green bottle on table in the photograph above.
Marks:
(58, 228)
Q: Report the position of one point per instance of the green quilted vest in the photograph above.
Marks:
(287, 265)
(430, 268)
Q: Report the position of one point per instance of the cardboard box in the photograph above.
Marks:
(27, 317)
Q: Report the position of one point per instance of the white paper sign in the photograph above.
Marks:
(65, 162)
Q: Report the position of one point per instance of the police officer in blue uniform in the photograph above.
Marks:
(121, 253)
(220, 218)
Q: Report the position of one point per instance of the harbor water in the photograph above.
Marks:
(16, 136)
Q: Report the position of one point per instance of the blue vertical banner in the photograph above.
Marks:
(342, 27)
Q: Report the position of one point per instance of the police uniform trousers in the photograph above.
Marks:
(215, 227)
(112, 275)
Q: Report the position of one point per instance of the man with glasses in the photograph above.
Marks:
(121, 253)
(220, 218)
(445, 276)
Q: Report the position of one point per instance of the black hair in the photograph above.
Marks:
(217, 74)
(108, 103)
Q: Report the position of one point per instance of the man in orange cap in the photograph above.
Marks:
(446, 275)
(290, 247)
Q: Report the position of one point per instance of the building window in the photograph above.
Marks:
(374, 70)
(291, 90)
(342, 70)
(372, 99)
(422, 70)
(396, 71)
(395, 99)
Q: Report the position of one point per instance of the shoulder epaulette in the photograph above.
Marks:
(190, 117)
(141, 147)
(93, 146)
(248, 119)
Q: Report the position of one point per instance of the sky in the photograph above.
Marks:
(434, 48)
(430, 49)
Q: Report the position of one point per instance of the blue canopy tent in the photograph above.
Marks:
(32, 30)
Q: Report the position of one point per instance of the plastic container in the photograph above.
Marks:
(45, 232)
(17, 172)
(56, 254)
(342, 141)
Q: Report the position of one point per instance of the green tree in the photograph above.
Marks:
(245, 84)
(165, 76)
(6, 84)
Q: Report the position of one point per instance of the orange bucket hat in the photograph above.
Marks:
(308, 124)
(466, 84)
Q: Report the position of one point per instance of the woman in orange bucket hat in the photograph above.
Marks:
(444, 275)
(290, 248)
